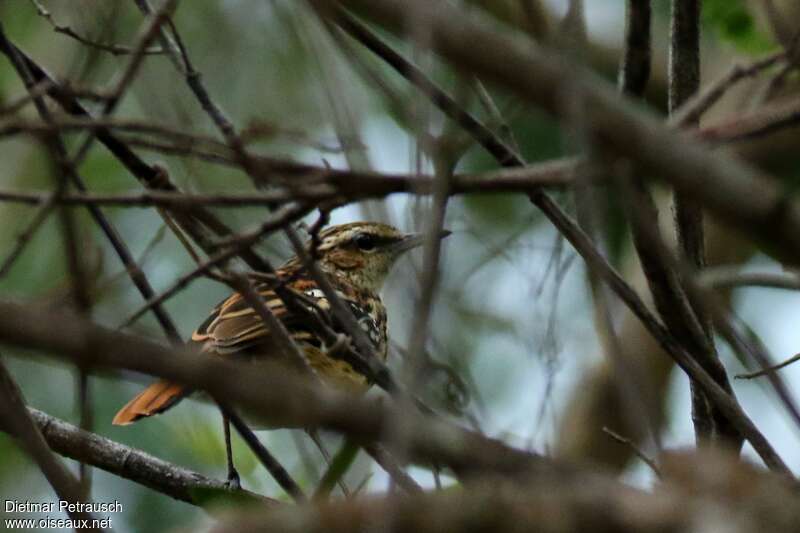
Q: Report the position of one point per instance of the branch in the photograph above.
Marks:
(770, 370)
(727, 277)
(136, 274)
(634, 70)
(523, 70)
(694, 108)
(128, 463)
(326, 185)
(684, 82)
(114, 49)
(278, 397)
(197, 224)
(760, 123)
(19, 423)
(703, 493)
(734, 191)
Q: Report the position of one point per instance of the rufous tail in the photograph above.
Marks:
(153, 400)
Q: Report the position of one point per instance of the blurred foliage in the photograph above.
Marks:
(509, 305)
(733, 21)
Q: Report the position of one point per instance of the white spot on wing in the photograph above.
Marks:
(315, 293)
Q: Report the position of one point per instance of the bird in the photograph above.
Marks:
(356, 257)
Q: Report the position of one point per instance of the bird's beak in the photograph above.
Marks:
(412, 240)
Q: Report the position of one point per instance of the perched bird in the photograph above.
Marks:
(357, 258)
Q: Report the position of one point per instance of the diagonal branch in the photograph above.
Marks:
(125, 462)
(199, 223)
(15, 417)
(734, 191)
(451, 32)
(279, 398)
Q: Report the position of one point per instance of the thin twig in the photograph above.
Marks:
(529, 67)
(694, 108)
(197, 224)
(113, 49)
(70, 171)
(389, 464)
(727, 277)
(635, 449)
(128, 463)
(764, 371)
(272, 465)
(231, 248)
(125, 78)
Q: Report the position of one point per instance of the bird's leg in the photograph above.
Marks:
(233, 475)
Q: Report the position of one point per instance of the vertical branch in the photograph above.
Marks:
(635, 406)
(634, 71)
(684, 52)
(684, 82)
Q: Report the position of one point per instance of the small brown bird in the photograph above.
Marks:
(357, 258)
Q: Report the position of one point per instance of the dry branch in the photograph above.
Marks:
(734, 191)
(450, 34)
(15, 417)
(123, 461)
(702, 491)
(285, 401)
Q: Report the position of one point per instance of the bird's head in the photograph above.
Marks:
(363, 252)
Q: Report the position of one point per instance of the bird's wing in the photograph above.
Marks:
(234, 326)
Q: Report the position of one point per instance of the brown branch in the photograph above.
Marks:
(684, 82)
(114, 49)
(485, 137)
(734, 191)
(125, 78)
(639, 453)
(451, 33)
(197, 225)
(729, 493)
(19, 423)
(726, 277)
(46, 206)
(769, 370)
(707, 303)
(277, 397)
(694, 108)
(70, 172)
(765, 121)
(389, 464)
(634, 70)
(125, 462)
(326, 185)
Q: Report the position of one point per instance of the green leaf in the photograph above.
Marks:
(339, 466)
(733, 22)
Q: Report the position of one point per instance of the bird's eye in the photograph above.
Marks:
(365, 242)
